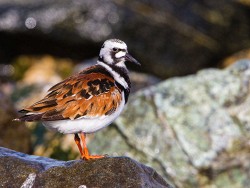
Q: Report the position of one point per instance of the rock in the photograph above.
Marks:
(12, 134)
(21, 170)
(193, 130)
(169, 37)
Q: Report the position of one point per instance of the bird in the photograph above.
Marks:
(89, 100)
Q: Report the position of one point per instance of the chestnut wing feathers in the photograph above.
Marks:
(84, 95)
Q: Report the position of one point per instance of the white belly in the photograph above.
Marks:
(85, 125)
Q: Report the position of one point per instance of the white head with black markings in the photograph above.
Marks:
(115, 52)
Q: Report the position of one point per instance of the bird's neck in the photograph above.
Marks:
(120, 74)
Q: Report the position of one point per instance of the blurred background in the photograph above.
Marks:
(44, 41)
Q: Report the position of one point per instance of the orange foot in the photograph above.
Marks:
(90, 157)
(84, 152)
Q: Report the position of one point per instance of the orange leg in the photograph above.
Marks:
(84, 150)
(78, 143)
(87, 156)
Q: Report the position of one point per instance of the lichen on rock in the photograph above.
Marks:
(193, 130)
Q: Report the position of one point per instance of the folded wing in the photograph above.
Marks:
(89, 95)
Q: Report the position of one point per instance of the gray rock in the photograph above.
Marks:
(21, 170)
(193, 130)
(168, 37)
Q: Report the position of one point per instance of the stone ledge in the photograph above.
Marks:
(22, 170)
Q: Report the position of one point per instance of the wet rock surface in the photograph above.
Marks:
(21, 170)
(169, 37)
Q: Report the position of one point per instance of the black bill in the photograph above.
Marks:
(129, 58)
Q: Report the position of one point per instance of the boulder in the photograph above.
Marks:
(193, 130)
(26, 171)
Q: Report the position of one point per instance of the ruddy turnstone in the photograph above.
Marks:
(88, 101)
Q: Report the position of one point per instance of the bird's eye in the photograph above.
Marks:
(115, 49)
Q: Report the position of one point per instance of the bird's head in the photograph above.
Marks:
(115, 52)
